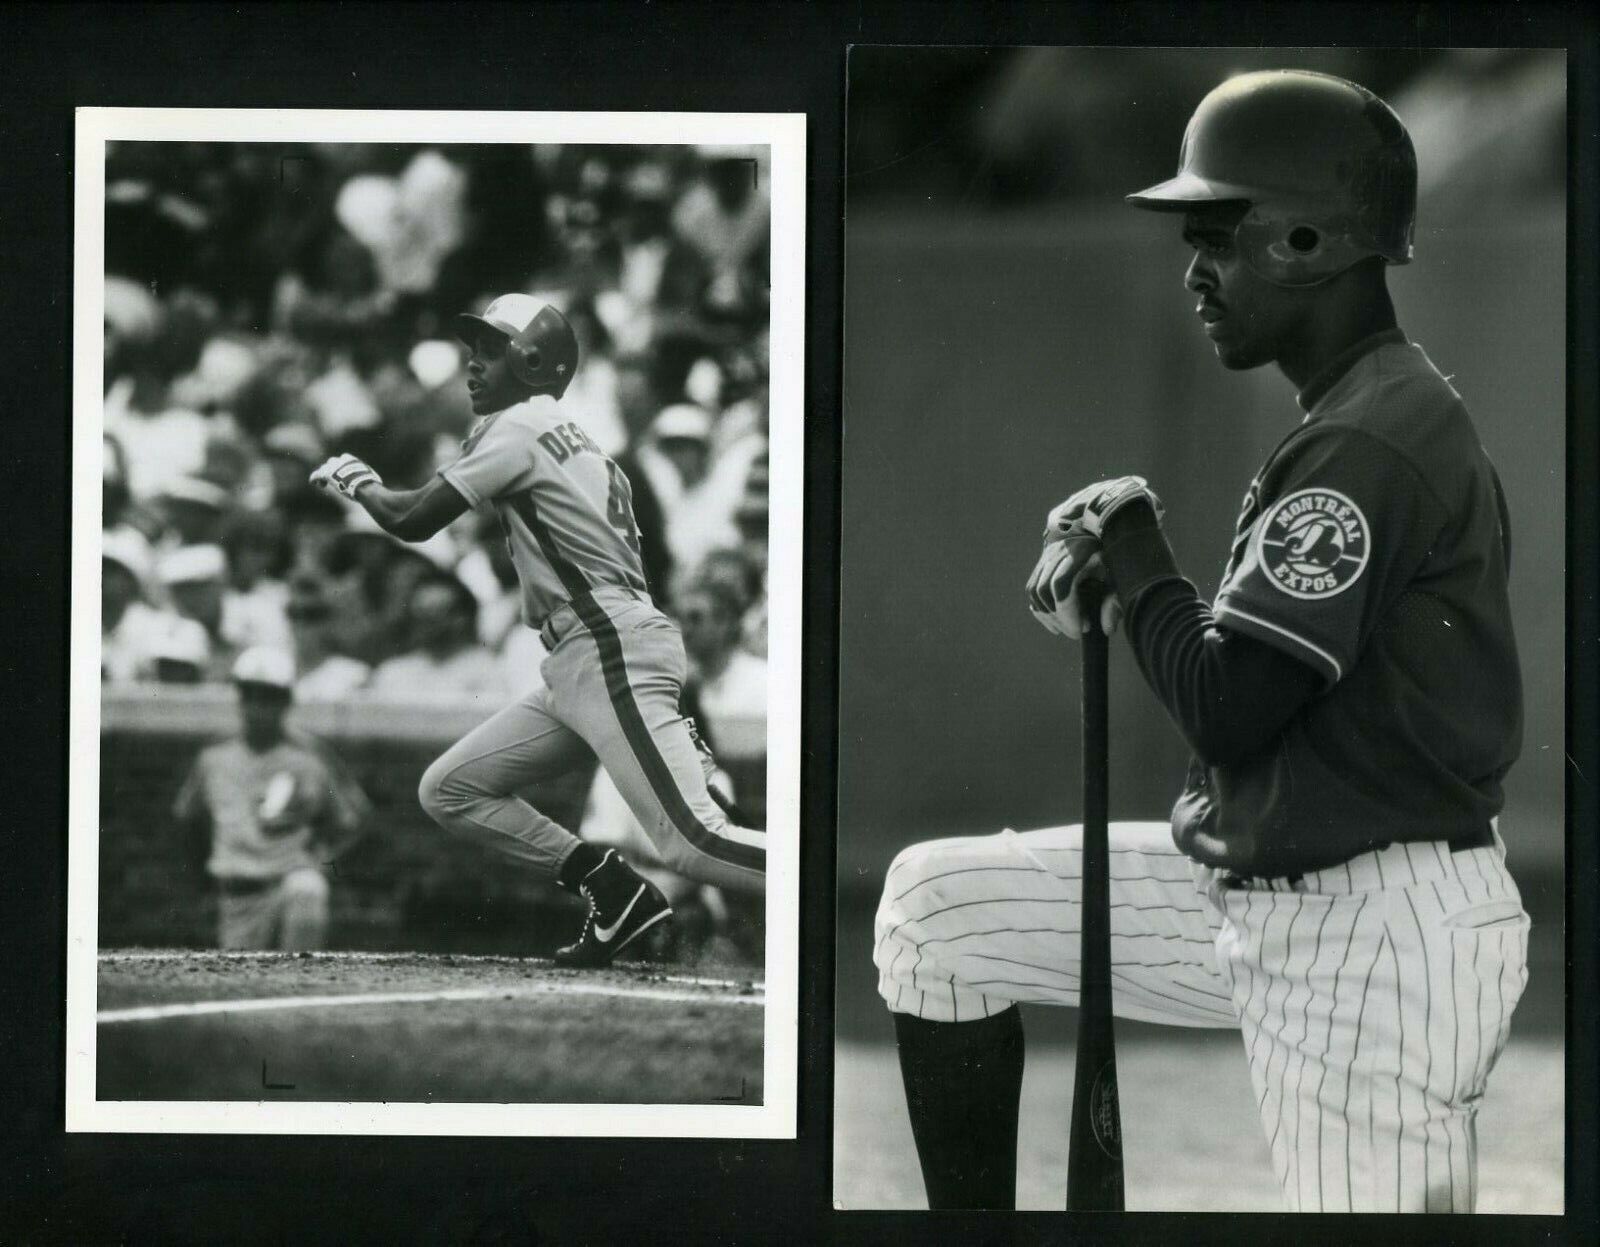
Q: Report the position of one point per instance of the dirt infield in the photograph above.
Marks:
(415, 1028)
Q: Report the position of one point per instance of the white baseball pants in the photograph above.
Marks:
(1373, 997)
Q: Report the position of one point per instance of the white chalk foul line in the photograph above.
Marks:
(198, 1008)
(113, 956)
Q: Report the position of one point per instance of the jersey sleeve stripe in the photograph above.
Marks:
(461, 485)
(1275, 634)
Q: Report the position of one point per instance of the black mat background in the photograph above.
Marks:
(758, 57)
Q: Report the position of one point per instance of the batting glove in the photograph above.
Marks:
(344, 474)
(1094, 504)
(1055, 588)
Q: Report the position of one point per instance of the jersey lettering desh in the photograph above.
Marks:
(566, 508)
(1374, 546)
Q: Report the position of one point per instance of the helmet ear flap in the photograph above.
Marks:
(525, 358)
(1286, 249)
(1304, 239)
(544, 353)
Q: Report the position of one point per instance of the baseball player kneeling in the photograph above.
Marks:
(616, 665)
(1332, 881)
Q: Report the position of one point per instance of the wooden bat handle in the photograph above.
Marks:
(1094, 1161)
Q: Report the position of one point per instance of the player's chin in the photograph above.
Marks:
(1238, 357)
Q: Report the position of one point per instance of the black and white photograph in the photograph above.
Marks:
(436, 623)
(1201, 778)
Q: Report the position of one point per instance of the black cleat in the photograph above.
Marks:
(622, 907)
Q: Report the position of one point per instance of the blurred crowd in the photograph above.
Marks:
(994, 128)
(267, 306)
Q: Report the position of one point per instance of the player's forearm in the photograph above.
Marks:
(395, 510)
(1230, 695)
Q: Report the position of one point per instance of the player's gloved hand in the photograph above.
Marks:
(344, 474)
(1094, 504)
(1069, 560)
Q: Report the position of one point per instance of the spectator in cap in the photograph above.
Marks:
(133, 633)
(196, 579)
(445, 660)
(698, 493)
(278, 809)
(325, 673)
(256, 547)
(182, 656)
(195, 509)
(672, 460)
(681, 434)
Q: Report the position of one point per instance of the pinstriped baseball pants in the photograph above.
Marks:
(1373, 998)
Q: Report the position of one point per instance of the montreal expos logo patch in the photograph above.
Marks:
(1313, 543)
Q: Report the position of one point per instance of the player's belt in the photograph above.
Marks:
(568, 617)
(1403, 858)
(1480, 839)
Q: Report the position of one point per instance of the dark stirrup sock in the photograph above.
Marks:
(963, 1085)
(583, 859)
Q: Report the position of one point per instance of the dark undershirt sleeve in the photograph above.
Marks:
(1229, 694)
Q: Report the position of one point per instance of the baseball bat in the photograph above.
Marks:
(1094, 1162)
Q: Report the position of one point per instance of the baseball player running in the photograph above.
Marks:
(616, 663)
(1332, 881)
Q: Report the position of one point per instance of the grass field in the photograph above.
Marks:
(416, 1028)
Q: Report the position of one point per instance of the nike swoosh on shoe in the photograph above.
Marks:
(605, 934)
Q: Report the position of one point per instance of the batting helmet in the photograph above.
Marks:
(1326, 167)
(540, 344)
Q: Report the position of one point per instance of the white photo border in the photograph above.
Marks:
(785, 135)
